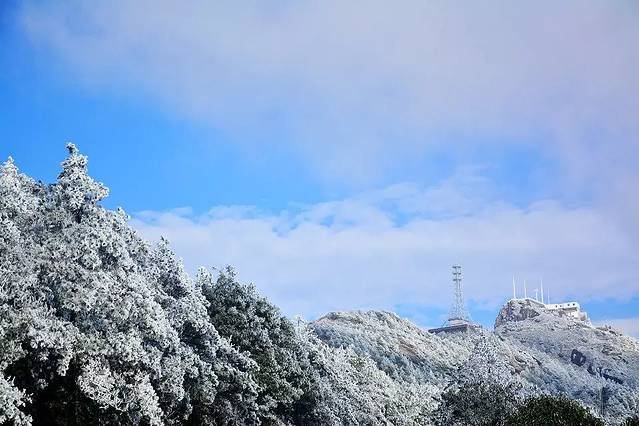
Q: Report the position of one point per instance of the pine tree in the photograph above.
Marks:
(99, 327)
(255, 326)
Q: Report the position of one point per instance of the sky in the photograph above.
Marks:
(343, 155)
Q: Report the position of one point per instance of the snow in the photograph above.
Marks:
(531, 349)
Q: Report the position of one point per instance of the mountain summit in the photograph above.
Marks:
(544, 350)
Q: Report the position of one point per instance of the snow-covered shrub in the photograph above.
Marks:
(631, 421)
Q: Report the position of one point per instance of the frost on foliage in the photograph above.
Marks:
(400, 348)
(531, 355)
(12, 402)
(92, 317)
(355, 391)
(74, 188)
(287, 384)
(489, 362)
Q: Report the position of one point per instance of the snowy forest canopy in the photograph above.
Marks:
(97, 326)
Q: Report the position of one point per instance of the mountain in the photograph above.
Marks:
(545, 351)
(399, 347)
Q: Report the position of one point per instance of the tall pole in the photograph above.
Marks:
(525, 292)
(542, 289)
(514, 291)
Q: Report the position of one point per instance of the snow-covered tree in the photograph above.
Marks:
(99, 327)
(255, 326)
(355, 391)
(475, 404)
(546, 410)
(486, 388)
(631, 421)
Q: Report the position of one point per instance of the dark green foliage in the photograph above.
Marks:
(631, 421)
(549, 410)
(253, 325)
(61, 403)
(475, 404)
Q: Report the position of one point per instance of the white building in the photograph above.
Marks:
(572, 309)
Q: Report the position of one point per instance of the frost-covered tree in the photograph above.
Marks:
(486, 389)
(355, 391)
(489, 363)
(475, 404)
(631, 421)
(546, 410)
(96, 326)
(255, 326)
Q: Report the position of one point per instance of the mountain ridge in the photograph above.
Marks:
(547, 351)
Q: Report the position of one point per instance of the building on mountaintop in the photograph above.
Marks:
(571, 309)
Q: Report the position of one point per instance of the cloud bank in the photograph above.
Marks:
(356, 87)
(360, 92)
(385, 248)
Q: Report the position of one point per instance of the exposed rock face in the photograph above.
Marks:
(516, 310)
(523, 309)
(545, 350)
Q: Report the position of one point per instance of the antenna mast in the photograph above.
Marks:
(458, 312)
(548, 296)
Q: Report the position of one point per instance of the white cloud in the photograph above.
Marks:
(356, 253)
(356, 87)
(361, 89)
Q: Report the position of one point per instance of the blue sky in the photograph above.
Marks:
(342, 156)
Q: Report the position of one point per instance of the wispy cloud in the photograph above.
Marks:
(355, 87)
(359, 253)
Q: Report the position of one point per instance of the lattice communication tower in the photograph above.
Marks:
(458, 312)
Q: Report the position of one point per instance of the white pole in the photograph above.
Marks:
(525, 292)
(542, 289)
(537, 294)
(514, 293)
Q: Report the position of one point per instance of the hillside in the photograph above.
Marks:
(543, 350)
(400, 348)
